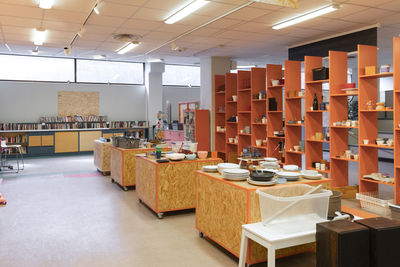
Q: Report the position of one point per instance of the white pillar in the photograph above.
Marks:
(210, 66)
(154, 87)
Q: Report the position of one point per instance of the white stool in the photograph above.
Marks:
(18, 155)
(272, 241)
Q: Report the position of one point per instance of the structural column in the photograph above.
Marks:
(154, 87)
(210, 66)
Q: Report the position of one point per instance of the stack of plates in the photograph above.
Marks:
(175, 156)
(269, 165)
(289, 176)
(251, 181)
(223, 166)
(291, 168)
(271, 159)
(235, 174)
(210, 168)
(311, 175)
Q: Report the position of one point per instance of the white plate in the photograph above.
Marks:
(291, 168)
(236, 171)
(272, 182)
(175, 156)
(312, 176)
(228, 166)
(269, 170)
(271, 159)
(210, 168)
(309, 172)
(236, 178)
(289, 174)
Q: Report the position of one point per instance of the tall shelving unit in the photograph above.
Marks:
(274, 117)
(368, 119)
(231, 84)
(293, 112)
(244, 108)
(339, 135)
(313, 118)
(258, 109)
(396, 119)
(219, 115)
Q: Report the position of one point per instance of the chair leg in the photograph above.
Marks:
(243, 249)
(22, 158)
(271, 256)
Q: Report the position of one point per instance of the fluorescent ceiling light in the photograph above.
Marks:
(187, 10)
(46, 4)
(98, 6)
(99, 56)
(246, 67)
(39, 35)
(307, 16)
(128, 47)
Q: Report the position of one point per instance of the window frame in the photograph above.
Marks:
(183, 86)
(75, 71)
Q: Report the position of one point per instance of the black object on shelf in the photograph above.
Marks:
(321, 73)
(315, 102)
(272, 104)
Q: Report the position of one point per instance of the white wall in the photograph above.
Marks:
(27, 101)
(179, 94)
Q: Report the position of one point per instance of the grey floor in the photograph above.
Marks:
(61, 212)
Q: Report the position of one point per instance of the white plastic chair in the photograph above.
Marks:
(6, 149)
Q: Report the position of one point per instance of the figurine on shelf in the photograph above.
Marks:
(159, 128)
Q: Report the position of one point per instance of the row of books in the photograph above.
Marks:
(71, 125)
(91, 118)
(19, 139)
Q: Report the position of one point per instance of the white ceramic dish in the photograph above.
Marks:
(311, 176)
(290, 176)
(175, 156)
(271, 159)
(291, 168)
(210, 168)
(223, 166)
(269, 183)
(236, 172)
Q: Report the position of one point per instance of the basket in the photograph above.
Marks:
(307, 210)
(321, 73)
(375, 203)
(129, 142)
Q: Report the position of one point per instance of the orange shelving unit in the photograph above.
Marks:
(244, 108)
(313, 119)
(231, 86)
(339, 135)
(219, 115)
(293, 112)
(274, 117)
(258, 109)
(368, 120)
(396, 119)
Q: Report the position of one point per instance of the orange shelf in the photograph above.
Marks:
(378, 75)
(242, 134)
(275, 86)
(344, 127)
(231, 122)
(231, 102)
(317, 141)
(244, 90)
(260, 147)
(316, 111)
(218, 112)
(295, 152)
(220, 132)
(377, 146)
(294, 98)
(256, 123)
(343, 159)
(232, 144)
(314, 169)
(259, 100)
(221, 92)
(365, 110)
(375, 182)
(340, 95)
(296, 125)
(318, 82)
(276, 137)
(244, 112)
(275, 111)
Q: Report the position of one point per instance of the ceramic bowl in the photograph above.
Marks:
(190, 156)
(202, 154)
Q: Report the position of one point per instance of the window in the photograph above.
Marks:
(95, 71)
(181, 75)
(29, 68)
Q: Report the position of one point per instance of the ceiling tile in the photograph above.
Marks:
(151, 14)
(214, 9)
(194, 20)
(75, 5)
(248, 13)
(392, 5)
(176, 28)
(105, 20)
(118, 10)
(142, 24)
(61, 26)
(65, 16)
(371, 3)
(170, 5)
(159, 35)
(22, 11)
(95, 29)
(206, 31)
(129, 2)
(18, 21)
(225, 23)
(370, 15)
(345, 10)
(275, 17)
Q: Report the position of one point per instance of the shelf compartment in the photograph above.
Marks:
(260, 147)
(232, 144)
(318, 82)
(294, 97)
(316, 111)
(375, 182)
(366, 110)
(322, 171)
(317, 141)
(345, 127)
(256, 123)
(341, 95)
(230, 122)
(244, 90)
(295, 152)
(275, 111)
(219, 112)
(259, 100)
(296, 125)
(276, 137)
(244, 112)
(377, 146)
(221, 92)
(242, 134)
(231, 102)
(378, 75)
(275, 86)
(343, 159)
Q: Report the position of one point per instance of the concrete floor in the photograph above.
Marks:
(62, 212)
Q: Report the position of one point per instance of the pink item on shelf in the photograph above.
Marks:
(351, 85)
(202, 154)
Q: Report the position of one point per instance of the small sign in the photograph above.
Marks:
(284, 3)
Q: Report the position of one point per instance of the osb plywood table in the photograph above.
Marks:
(168, 186)
(123, 165)
(223, 206)
(102, 156)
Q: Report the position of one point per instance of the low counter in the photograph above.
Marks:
(223, 206)
(168, 186)
(123, 165)
(102, 156)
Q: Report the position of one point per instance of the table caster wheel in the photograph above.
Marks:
(201, 234)
(125, 188)
(140, 201)
(112, 181)
(160, 215)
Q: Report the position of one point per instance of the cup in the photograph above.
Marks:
(366, 141)
(356, 156)
(323, 166)
(258, 142)
(297, 148)
(318, 165)
(347, 154)
(275, 82)
(264, 120)
(234, 97)
(354, 123)
(241, 131)
(348, 123)
(230, 140)
(218, 128)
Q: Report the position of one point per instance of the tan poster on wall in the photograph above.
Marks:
(285, 3)
(72, 103)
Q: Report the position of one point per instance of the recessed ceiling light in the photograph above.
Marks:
(128, 47)
(187, 10)
(46, 4)
(307, 16)
(39, 35)
(99, 56)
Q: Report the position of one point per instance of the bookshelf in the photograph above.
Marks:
(231, 84)
(274, 115)
(219, 115)
(259, 109)
(244, 109)
(396, 119)
(16, 139)
(293, 112)
(313, 118)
